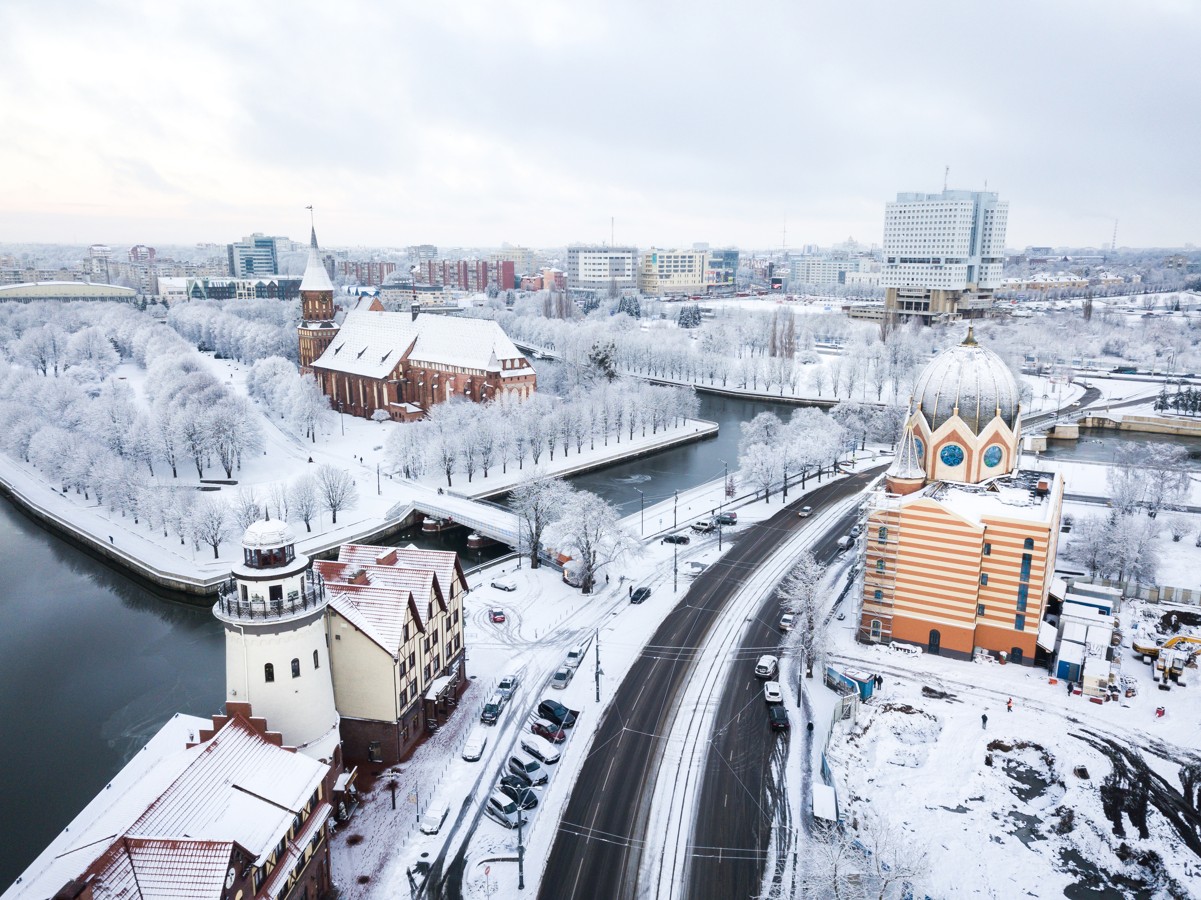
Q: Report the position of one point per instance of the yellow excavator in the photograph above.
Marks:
(1148, 648)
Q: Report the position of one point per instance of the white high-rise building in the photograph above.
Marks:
(599, 269)
(943, 253)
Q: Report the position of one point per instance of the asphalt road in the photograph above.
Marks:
(601, 837)
(738, 801)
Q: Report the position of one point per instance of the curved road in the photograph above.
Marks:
(598, 850)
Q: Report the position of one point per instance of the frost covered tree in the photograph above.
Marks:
(799, 594)
(762, 466)
(589, 532)
(210, 523)
(277, 496)
(537, 501)
(874, 864)
(405, 450)
(302, 500)
(246, 508)
(335, 490)
(233, 431)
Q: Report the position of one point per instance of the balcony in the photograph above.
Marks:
(231, 607)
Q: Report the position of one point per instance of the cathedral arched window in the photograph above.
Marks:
(268, 672)
(296, 668)
(316, 662)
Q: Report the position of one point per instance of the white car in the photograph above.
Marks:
(503, 584)
(767, 667)
(787, 621)
(772, 693)
(561, 678)
(805, 512)
(476, 742)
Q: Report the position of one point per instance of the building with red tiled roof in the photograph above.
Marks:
(395, 624)
(218, 809)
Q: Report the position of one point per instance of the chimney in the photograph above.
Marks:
(415, 308)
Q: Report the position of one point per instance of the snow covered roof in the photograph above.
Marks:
(907, 464)
(263, 535)
(968, 380)
(1010, 497)
(316, 278)
(371, 343)
(443, 563)
(166, 825)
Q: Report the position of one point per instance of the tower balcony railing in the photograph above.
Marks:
(309, 596)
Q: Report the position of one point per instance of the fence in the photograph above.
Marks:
(1153, 593)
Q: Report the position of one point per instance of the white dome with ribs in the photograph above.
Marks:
(968, 380)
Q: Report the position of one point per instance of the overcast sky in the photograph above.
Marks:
(473, 122)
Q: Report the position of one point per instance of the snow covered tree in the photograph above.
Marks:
(405, 450)
(246, 508)
(302, 500)
(335, 490)
(689, 316)
(589, 532)
(537, 501)
(210, 522)
(763, 466)
(602, 360)
(233, 431)
(799, 594)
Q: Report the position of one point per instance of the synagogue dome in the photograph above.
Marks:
(971, 380)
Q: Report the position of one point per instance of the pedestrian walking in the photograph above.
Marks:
(1009, 705)
(1069, 689)
(983, 720)
(879, 681)
(631, 590)
(606, 578)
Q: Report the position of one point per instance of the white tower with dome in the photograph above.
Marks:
(276, 656)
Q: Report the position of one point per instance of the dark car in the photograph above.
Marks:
(521, 795)
(777, 717)
(517, 779)
(675, 539)
(640, 594)
(556, 712)
(727, 518)
(497, 615)
(549, 730)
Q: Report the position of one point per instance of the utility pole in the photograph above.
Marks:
(785, 485)
(520, 851)
(378, 489)
(675, 568)
(598, 668)
(725, 480)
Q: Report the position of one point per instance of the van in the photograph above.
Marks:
(540, 748)
(492, 709)
(575, 656)
(845, 542)
(501, 808)
(703, 526)
(561, 678)
(526, 765)
(435, 815)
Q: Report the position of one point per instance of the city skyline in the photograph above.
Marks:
(535, 124)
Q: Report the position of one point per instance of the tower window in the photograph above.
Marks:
(984, 578)
(1025, 576)
(316, 662)
(1028, 544)
(883, 533)
(296, 668)
(988, 549)
(879, 594)
(879, 565)
(268, 672)
(1019, 622)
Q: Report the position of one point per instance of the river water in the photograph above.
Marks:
(93, 662)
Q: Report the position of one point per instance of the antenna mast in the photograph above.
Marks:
(1113, 247)
(945, 176)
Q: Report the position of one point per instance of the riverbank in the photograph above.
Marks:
(169, 564)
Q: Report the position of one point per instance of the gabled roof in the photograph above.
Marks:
(371, 343)
(443, 563)
(159, 868)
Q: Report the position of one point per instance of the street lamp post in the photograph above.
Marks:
(641, 512)
(721, 505)
(520, 850)
(341, 418)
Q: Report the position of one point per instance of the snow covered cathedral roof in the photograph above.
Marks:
(970, 380)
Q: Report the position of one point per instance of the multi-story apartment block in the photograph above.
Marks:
(664, 273)
(253, 256)
(367, 273)
(943, 253)
(99, 263)
(522, 259)
(598, 269)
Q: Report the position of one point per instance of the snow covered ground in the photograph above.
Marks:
(998, 807)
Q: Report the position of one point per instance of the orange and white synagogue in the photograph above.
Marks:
(959, 547)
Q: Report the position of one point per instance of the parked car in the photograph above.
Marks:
(496, 615)
(786, 622)
(640, 594)
(435, 815)
(539, 748)
(805, 512)
(856, 530)
(502, 808)
(675, 539)
(517, 777)
(504, 584)
(508, 687)
(845, 542)
(473, 749)
(772, 693)
(548, 730)
(777, 717)
(557, 712)
(561, 678)
(492, 709)
(767, 666)
(523, 796)
(703, 526)
(574, 657)
(524, 764)
(727, 518)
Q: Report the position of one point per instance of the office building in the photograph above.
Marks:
(943, 254)
(600, 269)
(666, 273)
(253, 256)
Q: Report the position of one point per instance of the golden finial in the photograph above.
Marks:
(970, 340)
